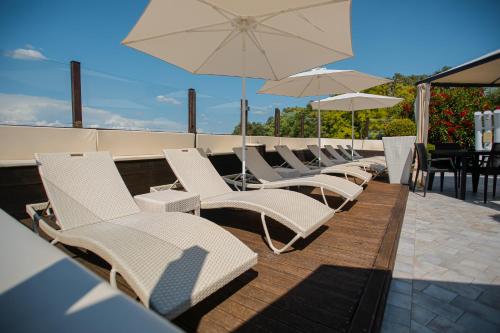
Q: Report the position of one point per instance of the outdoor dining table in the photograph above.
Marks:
(466, 161)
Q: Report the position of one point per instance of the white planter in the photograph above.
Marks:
(398, 152)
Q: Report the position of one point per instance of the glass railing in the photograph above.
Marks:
(34, 92)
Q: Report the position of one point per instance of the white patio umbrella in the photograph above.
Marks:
(259, 38)
(356, 101)
(322, 81)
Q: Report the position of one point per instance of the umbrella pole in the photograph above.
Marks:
(319, 125)
(243, 133)
(243, 118)
(352, 132)
(319, 134)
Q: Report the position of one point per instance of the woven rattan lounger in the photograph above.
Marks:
(171, 260)
(357, 156)
(270, 178)
(337, 159)
(300, 213)
(291, 159)
(347, 155)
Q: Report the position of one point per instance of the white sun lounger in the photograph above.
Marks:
(291, 159)
(171, 260)
(347, 155)
(338, 159)
(300, 213)
(380, 159)
(270, 178)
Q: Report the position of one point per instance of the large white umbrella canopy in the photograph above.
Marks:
(258, 38)
(322, 81)
(354, 102)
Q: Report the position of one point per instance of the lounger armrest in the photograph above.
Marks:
(287, 172)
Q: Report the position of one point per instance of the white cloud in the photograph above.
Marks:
(168, 99)
(255, 109)
(45, 111)
(26, 54)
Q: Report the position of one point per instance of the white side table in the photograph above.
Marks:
(169, 201)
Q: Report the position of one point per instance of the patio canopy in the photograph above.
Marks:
(481, 72)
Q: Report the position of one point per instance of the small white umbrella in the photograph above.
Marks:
(356, 101)
(322, 81)
(258, 38)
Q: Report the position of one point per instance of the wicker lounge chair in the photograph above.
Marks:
(337, 159)
(171, 260)
(347, 154)
(291, 159)
(270, 178)
(296, 211)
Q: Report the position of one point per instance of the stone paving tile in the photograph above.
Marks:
(467, 290)
(389, 327)
(399, 299)
(403, 286)
(421, 315)
(395, 314)
(491, 298)
(442, 324)
(418, 328)
(476, 324)
(481, 310)
(439, 307)
(440, 293)
(449, 259)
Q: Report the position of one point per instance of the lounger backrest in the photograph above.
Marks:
(317, 152)
(84, 188)
(195, 172)
(349, 147)
(335, 154)
(258, 165)
(291, 158)
(343, 151)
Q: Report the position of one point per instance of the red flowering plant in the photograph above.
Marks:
(451, 114)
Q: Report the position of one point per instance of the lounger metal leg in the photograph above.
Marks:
(54, 241)
(112, 277)
(324, 197)
(340, 207)
(269, 241)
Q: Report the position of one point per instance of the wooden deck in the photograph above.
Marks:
(336, 280)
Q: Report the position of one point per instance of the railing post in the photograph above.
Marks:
(76, 94)
(277, 122)
(191, 111)
(302, 120)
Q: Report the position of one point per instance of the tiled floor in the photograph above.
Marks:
(447, 273)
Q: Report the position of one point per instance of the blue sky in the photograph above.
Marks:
(125, 88)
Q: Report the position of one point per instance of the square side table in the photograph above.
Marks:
(169, 201)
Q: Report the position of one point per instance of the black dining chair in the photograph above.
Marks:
(491, 167)
(444, 146)
(431, 166)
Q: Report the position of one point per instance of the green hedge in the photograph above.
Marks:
(400, 127)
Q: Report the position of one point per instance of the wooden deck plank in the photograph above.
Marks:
(333, 281)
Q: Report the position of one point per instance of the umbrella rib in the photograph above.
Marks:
(220, 10)
(279, 32)
(221, 45)
(268, 16)
(307, 86)
(197, 29)
(279, 83)
(254, 39)
(331, 78)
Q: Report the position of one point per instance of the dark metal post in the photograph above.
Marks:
(191, 111)
(246, 116)
(76, 94)
(302, 120)
(277, 122)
